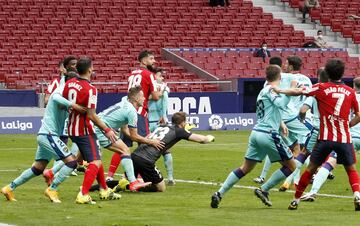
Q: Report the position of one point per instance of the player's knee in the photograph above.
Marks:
(72, 164)
(332, 161)
(96, 163)
(291, 166)
(37, 171)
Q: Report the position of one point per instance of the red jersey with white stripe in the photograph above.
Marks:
(335, 101)
(144, 78)
(52, 86)
(80, 91)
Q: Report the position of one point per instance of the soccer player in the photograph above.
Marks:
(275, 60)
(122, 115)
(49, 146)
(140, 77)
(66, 65)
(335, 101)
(82, 131)
(145, 156)
(326, 168)
(264, 140)
(158, 115)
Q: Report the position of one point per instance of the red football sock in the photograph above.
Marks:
(354, 180)
(90, 175)
(303, 183)
(114, 164)
(101, 177)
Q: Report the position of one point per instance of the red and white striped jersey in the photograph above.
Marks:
(144, 78)
(335, 102)
(52, 86)
(81, 92)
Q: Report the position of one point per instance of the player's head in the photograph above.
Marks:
(136, 96)
(322, 75)
(273, 73)
(335, 69)
(179, 119)
(276, 60)
(70, 75)
(84, 67)
(147, 59)
(293, 63)
(159, 75)
(357, 84)
(69, 63)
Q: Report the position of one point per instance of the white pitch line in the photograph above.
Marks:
(220, 184)
(252, 188)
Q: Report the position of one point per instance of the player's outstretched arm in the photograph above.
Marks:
(355, 120)
(201, 138)
(290, 92)
(109, 133)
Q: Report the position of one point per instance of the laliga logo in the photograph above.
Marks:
(216, 122)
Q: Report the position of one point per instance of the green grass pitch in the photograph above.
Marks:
(183, 204)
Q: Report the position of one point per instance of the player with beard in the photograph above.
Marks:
(144, 78)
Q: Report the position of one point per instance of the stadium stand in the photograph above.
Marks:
(335, 14)
(36, 34)
(240, 63)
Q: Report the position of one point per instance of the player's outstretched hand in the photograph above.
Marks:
(111, 135)
(210, 138)
(158, 144)
(79, 108)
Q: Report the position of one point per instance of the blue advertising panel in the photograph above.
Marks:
(18, 98)
(20, 125)
(191, 103)
(233, 121)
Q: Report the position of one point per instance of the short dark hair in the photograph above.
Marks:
(272, 72)
(83, 65)
(276, 60)
(67, 61)
(144, 53)
(335, 68)
(322, 75)
(178, 118)
(357, 83)
(295, 62)
(319, 31)
(133, 92)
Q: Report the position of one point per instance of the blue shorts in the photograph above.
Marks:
(344, 152)
(262, 143)
(297, 131)
(142, 129)
(51, 147)
(88, 146)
